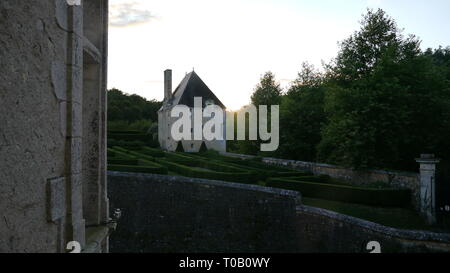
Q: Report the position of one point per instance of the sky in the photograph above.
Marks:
(231, 43)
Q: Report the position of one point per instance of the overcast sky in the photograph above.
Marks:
(231, 43)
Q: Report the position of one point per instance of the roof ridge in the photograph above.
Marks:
(189, 87)
(186, 79)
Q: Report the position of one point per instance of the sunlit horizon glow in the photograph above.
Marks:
(230, 44)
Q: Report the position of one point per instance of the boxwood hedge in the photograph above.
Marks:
(121, 161)
(242, 177)
(152, 152)
(137, 169)
(349, 194)
(126, 161)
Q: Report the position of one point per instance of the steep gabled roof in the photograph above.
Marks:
(192, 86)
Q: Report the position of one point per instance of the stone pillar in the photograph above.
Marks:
(427, 186)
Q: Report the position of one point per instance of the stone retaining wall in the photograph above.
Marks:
(179, 214)
(320, 231)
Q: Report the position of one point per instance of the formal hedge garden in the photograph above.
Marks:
(212, 165)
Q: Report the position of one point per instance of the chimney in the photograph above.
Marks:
(167, 84)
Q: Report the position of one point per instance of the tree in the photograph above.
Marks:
(302, 116)
(267, 91)
(378, 38)
(131, 111)
(384, 99)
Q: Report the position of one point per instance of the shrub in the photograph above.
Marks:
(130, 137)
(120, 161)
(293, 174)
(196, 161)
(133, 154)
(373, 197)
(152, 152)
(124, 153)
(308, 178)
(123, 132)
(136, 144)
(188, 171)
(137, 169)
(253, 163)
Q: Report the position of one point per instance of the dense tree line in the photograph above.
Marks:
(379, 104)
(131, 112)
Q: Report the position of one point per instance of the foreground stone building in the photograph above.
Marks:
(189, 88)
(53, 60)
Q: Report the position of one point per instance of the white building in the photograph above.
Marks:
(191, 86)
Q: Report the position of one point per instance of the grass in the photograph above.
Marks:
(392, 217)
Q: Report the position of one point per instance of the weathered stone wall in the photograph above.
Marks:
(179, 214)
(322, 231)
(33, 103)
(41, 124)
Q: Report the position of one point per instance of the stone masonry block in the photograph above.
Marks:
(77, 20)
(59, 80)
(63, 117)
(77, 120)
(76, 84)
(77, 196)
(76, 155)
(76, 47)
(56, 192)
(61, 14)
(79, 232)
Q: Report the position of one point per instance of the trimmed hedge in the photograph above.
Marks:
(128, 144)
(111, 132)
(246, 177)
(185, 165)
(136, 160)
(129, 137)
(201, 163)
(137, 169)
(310, 178)
(137, 155)
(219, 167)
(249, 163)
(152, 152)
(121, 152)
(349, 194)
(294, 174)
(121, 161)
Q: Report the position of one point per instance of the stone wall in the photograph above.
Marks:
(42, 58)
(322, 231)
(179, 214)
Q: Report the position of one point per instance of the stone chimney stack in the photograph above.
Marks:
(167, 84)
